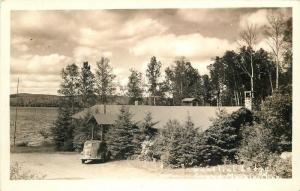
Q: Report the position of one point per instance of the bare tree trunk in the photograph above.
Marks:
(252, 75)
(277, 73)
(271, 84)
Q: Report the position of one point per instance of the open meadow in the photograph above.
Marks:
(32, 122)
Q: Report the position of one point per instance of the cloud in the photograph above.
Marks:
(191, 45)
(142, 26)
(258, 19)
(36, 64)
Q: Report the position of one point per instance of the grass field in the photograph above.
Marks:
(30, 121)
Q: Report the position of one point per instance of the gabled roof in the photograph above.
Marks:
(105, 119)
(200, 115)
(189, 99)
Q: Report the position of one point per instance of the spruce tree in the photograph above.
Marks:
(223, 138)
(68, 105)
(120, 137)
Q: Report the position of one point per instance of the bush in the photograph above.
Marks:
(147, 151)
(18, 173)
(280, 167)
(23, 144)
(276, 115)
(256, 146)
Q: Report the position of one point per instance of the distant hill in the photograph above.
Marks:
(34, 100)
(44, 100)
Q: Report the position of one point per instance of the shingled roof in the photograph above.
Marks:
(189, 99)
(201, 115)
(105, 119)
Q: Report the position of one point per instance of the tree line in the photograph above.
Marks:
(259, 71)
(230, 75)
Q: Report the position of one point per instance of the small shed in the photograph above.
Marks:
(190, 102)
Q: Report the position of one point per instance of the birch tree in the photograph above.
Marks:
(248, 38)
(275, 33)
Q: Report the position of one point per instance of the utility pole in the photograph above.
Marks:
(16, 113)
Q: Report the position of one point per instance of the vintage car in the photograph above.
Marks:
(94, 150)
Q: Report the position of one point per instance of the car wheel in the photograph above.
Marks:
(82, 161)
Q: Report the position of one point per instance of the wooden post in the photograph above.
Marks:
(93, 132)
(16, 114)
(102, 131)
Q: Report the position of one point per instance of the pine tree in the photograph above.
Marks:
(68, 105)
(87, 86)
(62, 130)
(121, 135)
(134, 86)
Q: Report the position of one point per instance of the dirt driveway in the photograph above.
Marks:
(68, 166)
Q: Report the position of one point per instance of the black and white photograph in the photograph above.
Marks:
(195, 93)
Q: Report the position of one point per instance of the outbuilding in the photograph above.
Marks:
(190, 102)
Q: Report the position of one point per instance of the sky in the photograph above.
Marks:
(44, 42)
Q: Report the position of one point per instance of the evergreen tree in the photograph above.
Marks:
(68, 105)
(105, 86)
(134, 86)
(87, 86)
(69, 87)
(207, 90)
(189, 144)
(121, 136)
(147, 127)
(178, 145)
(223, 138)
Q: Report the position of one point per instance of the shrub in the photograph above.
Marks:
(147, 151)
(256, 146)
(23, 144)
(280, 167)
(18, 173)
(276, 115)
